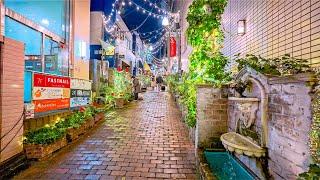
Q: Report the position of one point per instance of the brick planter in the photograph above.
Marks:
(40, 151)
(74, 133)
(90, 123)
(119, 102)
(98, 117)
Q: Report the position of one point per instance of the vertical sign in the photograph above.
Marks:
(173, 47)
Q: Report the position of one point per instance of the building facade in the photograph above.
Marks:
(48, 42)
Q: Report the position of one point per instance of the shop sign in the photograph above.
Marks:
(79, 101)
(109, 51)
(80, 84)
(39, 93)
(50, 104)
(80, 93)
(29, 110)
(44, 80)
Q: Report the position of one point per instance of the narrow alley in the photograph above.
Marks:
(145, 140)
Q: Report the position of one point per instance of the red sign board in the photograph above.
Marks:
(173, 47)
(50, 104)
(44, 80)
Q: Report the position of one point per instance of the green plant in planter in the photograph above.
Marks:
(45, 135)
(73, 121)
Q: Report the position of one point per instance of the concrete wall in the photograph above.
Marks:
(96, 27)
(211, 115)
(274, 28)
(81, 28)
(289, 126)
(11, 97)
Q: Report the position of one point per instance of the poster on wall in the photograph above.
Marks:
(39, 93)
(50, 104)
(79, 101)
(29, 110)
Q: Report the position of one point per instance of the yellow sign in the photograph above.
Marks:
(109, 51)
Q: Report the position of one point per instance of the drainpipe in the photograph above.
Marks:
(264, 111)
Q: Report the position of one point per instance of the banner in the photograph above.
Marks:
(50, 104)
(79, 101)
(173, 47)
(80, 84)
(39, 93)
(44, 80)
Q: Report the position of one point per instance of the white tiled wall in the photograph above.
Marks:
(274, 28)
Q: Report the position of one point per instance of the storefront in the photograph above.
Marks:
(56, 53)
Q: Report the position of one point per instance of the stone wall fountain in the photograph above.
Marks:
(244, 140)
(268, 127)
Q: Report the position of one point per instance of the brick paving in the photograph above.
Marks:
(145, 140)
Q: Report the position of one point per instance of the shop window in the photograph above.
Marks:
(32, 41)
(50, 14)
(55, 58)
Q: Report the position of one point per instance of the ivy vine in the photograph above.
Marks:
(207, 64)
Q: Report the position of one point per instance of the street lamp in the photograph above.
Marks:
(165, 21)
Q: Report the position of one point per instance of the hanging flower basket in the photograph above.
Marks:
(40, 151)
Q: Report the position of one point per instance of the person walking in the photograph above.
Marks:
(159, 82)
(153, 83)
(136, 87)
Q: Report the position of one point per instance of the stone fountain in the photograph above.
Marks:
(244, 140)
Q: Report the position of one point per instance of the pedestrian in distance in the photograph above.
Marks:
(136, 87)
(159, 82)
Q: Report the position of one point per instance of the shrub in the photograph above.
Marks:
(45, 135)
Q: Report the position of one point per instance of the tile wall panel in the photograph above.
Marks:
(274, 28)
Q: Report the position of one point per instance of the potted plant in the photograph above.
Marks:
(43, 142)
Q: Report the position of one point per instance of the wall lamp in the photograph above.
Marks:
(242, 27)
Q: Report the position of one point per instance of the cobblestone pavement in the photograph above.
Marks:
(145, 140)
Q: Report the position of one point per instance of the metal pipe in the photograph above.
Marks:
(264, 112)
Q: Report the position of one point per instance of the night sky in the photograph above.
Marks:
(134, 18)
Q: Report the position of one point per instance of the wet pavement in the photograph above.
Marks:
(145, 140)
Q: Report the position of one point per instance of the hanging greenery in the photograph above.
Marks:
(207, 64)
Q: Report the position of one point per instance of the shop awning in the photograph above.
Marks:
(146, 67)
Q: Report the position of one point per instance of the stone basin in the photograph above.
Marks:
(235, 142)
